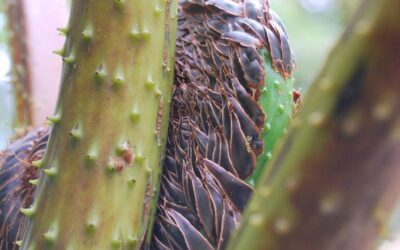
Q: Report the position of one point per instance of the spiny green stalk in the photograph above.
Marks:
(109, 128)
(277, 102)
(335, 179)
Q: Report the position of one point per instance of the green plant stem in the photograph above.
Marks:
(277, 102)
(335, 179)
(103, 161)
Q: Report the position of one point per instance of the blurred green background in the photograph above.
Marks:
(313, 27)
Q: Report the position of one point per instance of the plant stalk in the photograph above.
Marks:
(103, 162)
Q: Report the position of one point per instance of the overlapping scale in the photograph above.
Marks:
(216, 121)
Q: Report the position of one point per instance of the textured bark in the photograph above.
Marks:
(103, 163)
(335, 180)
(216, 120)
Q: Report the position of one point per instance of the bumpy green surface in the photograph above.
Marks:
(103, 160)
(277, 102)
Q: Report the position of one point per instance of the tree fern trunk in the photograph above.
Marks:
(228, 52)
(103, 159)
(336, 177)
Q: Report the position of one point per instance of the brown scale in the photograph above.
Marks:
(215, 121)
(16, 192)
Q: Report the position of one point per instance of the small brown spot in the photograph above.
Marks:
(128, 155)
(159, 120)
(147, 200)
(123, 160)
(296, 97)
(118, 164)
